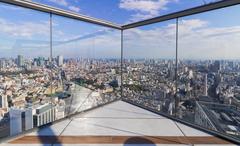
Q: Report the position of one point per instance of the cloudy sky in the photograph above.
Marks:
(124, 11)
(210, 35)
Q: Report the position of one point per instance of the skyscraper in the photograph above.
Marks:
(28, 119)
(119, 81)
(2, 64)
(20, 120)
(205, 85)
(59, 60)
(41, 61)
(3, 101)
(20, 61)
(15, 121)
(44, 114)
(216, 66)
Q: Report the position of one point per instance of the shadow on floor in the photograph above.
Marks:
(135, 141)
(47, 137)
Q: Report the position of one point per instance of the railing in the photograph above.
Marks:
(187, 68)
(181, 65)
(51, 68)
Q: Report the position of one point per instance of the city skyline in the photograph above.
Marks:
(53, 67)
(19, 36)
(124, 11)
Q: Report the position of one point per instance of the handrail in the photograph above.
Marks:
(187, 12)
(60, 12)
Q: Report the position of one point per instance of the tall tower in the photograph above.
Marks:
(2, 64)
(3, 101)
(20, 61)
(205, 85)
(15, 121)
(59, 60)
(20, 120)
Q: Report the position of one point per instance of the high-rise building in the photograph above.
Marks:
(190, 74)
(35, 63)
(205, 85)
(15, 121)
(119, 80)
(41, 61)
(20, 120)
(216, 66)
(27, 116)
(44, 114)
(2, 64)
(20, 61)
(59, 60)
(3, 101)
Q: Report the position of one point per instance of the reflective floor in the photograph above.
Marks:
(118, 123)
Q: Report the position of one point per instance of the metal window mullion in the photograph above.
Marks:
(121, 64)
(176, 69)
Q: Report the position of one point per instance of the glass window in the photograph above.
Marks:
(208, 73)
(149, 66)
(86, 65)
(24, 66)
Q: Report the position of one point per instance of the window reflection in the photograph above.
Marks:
(149, 66)
(86, 65)
(24, 69)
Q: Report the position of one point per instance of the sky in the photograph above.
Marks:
(210, 35)
(123, 11)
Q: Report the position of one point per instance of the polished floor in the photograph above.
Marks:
(117, 124)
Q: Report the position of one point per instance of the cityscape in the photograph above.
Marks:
(37, 91)
(205, 92)
(178, 64)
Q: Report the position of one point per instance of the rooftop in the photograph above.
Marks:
(118, 123)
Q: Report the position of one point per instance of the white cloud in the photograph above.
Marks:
(24, 29)
(149, 6)
(193, 23)
(106, 45)
(73, 8)
(11, 7)
(60, 2)
(197, 40)
(139, 16)
(66, 4)
(144, 8)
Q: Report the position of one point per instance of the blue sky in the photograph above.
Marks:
(123, 11)
(27, 32)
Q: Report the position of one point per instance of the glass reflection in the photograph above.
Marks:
(24, 69)
(208, 84)
(149, 66)
(86, 65)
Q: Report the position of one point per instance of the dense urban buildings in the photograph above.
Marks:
(36, 91)
(204, 92)
(54, 64)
